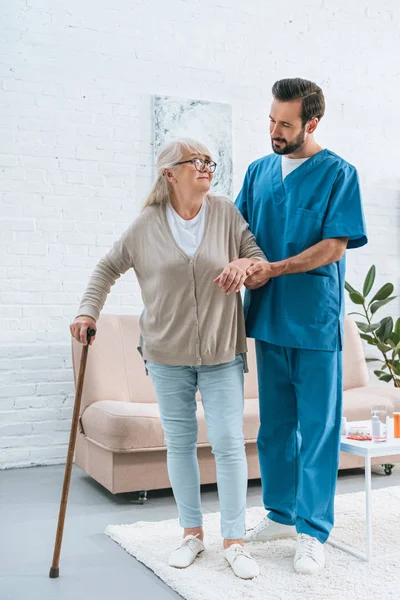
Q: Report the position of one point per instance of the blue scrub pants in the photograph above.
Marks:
(221, 388)
(300, 394)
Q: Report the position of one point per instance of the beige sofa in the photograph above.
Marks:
(120, 441)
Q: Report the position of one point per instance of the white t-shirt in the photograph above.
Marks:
(187, 234)
(290, 164)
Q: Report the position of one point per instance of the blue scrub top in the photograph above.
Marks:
(318, 200)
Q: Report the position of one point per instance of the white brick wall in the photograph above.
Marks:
(76, 154)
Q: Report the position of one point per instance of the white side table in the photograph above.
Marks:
(368, 450)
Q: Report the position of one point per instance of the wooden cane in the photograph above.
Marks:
(54, 570)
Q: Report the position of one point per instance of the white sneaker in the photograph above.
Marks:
(186, 552)
(267, 529)
(243, 565)
(310, 555)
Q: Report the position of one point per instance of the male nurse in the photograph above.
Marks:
(303, 205)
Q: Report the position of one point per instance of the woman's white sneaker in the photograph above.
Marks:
(266, 530)
(310, 555)
(243, 565)
(186, 552)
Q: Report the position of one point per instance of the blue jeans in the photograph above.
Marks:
(221, 388)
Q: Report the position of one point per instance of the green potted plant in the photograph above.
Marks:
(383, 334)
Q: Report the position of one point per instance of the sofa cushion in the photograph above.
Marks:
(355, 372)
(122, 426)
(357, 403)
(381, 394)
(129, 426)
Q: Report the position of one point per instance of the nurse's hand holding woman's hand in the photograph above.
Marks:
(259, 274)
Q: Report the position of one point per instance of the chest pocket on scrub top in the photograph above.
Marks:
(303, 229)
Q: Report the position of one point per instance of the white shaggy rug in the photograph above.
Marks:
(344, 577)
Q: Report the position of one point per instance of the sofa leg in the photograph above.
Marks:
(388, 468)
(142, 497)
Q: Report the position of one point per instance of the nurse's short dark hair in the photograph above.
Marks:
(313, 101)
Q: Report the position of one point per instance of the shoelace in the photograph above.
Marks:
(265, 522)
(308, 546)
(239, 551)
(190, 541)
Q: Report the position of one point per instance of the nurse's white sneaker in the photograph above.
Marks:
(243, 565)
(310, 555)
(186, 552)
(267, 530)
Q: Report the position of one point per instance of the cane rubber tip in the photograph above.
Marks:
(54, 572)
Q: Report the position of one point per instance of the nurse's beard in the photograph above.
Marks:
(294, 145)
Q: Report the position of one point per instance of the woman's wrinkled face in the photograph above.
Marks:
(187, 178)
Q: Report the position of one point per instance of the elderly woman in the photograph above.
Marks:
(190, 251)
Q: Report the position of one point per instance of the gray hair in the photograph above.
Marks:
(171, 153)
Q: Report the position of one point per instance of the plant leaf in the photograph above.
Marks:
(362, 326)
(356, 297)
(369, 281)
(396, 367)
(369, 339)
(385, 329)
(349, 288)
(366, 327)
(383, 347)
(380, 373)
(397, 326)
(375, 305)
(384, 292)
(383, 376)
(374, 360)
(395, 337)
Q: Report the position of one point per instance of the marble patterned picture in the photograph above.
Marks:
(207, 122)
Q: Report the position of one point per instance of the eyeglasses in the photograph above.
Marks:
(200, 164)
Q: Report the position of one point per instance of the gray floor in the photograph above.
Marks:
(92, 566)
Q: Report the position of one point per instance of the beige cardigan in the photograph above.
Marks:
(187, 319)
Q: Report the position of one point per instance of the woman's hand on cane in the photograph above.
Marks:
(79, 329)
